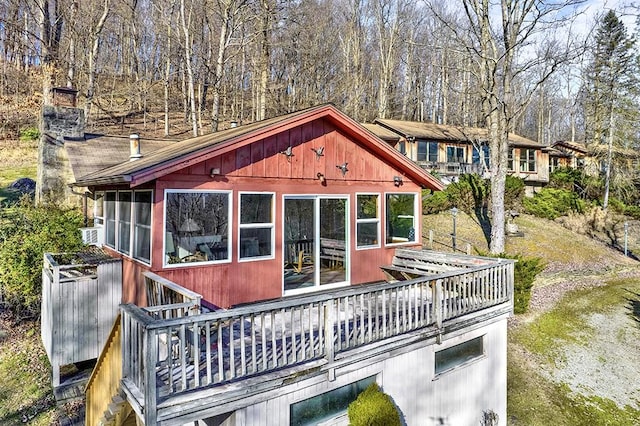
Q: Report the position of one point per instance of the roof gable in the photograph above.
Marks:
(190, 152)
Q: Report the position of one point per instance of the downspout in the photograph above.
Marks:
(85, 207)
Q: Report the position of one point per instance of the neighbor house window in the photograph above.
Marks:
(402, 147)
(368, 220)
(110, 219)
(257, 226)
(527, 160)
(481, 154)
(449, 358)
(197, 226)
(455, 154)
(510, 166)
(142, 225)
(427, 151)
(327, 406)
(401, 214)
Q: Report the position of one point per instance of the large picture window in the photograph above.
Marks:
(401, 214)
(257, 225)
(197, 226)
(368, 221)
(527, 160)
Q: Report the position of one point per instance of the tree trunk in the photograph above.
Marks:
(188, 49)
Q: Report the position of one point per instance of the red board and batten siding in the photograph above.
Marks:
(260, 167)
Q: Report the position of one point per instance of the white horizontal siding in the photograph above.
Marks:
(456, 397)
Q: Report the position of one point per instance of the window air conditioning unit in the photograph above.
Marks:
(93, 236)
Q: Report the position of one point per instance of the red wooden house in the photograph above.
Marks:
(272, 213)
(293, 204)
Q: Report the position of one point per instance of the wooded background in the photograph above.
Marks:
(213, 61)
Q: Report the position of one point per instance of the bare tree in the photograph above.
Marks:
(500, 60)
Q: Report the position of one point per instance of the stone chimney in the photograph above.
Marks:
(63, 118)
(62, 121)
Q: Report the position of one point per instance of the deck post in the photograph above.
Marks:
(150, 359)
(329, 336)
(437, 308)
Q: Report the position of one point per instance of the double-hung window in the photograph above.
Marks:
(510, 166)
(401, 213)
(527, 160)
(368, 220)
(257, 226)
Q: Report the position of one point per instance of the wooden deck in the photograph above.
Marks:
(198, 353)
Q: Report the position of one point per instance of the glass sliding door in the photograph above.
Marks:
(315, 242)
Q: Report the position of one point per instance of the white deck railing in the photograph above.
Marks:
(167, 357)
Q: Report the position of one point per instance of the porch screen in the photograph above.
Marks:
(197, 226)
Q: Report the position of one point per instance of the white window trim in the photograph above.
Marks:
(376, 220)
(271, 225)
(115, 220)
(316, 225)
(416, 215)
(166, 265)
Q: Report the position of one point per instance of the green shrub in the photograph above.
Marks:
(525, 271)
(469, 193)
(373, 408)
(26, 232)
(513, 193)
(565, 178)
(29, 134)
(524, 274)
(551, 203)
(437, 202)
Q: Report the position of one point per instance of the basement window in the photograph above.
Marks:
(457, 355)
(327, 406)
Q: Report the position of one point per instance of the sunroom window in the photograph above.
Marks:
(401, 214)
(142, 225)
(197, 226)
(128, 214)
(110, 219)
(124, 222)
(368, 221)
(256, 225)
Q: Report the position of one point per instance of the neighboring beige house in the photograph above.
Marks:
(449, 151)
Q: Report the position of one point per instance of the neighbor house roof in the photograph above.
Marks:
(382, 132)
(570, 146)
(440, 132)
(185, 153)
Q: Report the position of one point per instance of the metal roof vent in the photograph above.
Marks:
(134, 146)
